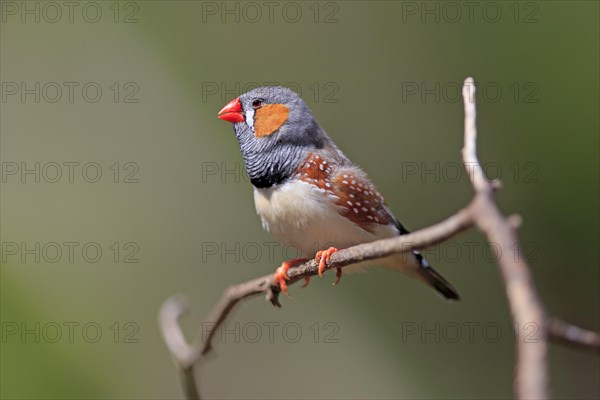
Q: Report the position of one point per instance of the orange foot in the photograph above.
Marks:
(281, 273)
(324, 256)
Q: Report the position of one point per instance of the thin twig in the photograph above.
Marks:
(185, 356)
(565, 333)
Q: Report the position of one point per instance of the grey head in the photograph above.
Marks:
(276, 131)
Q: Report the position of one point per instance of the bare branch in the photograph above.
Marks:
(469, 151)
(185, 356)
(563, 332)
(343, 258)
(531, 377)
(229, 299)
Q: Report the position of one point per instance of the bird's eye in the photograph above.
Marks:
(256, 104)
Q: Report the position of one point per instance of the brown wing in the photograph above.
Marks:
(361, 201)
(353, 192)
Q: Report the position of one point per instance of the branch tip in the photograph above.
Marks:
(515, 221)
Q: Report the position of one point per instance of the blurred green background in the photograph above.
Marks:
(381, 78)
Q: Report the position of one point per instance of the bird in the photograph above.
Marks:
(308, 193)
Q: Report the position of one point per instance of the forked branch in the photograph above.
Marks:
(531, 370)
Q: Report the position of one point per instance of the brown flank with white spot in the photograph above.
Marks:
(361, 202)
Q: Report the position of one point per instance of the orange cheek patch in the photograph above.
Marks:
(269, 118)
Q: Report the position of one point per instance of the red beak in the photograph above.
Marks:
(232, 112)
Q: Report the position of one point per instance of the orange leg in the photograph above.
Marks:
(281, 273)
(322, 257)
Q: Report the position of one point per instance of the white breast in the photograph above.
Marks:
(303, 216)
